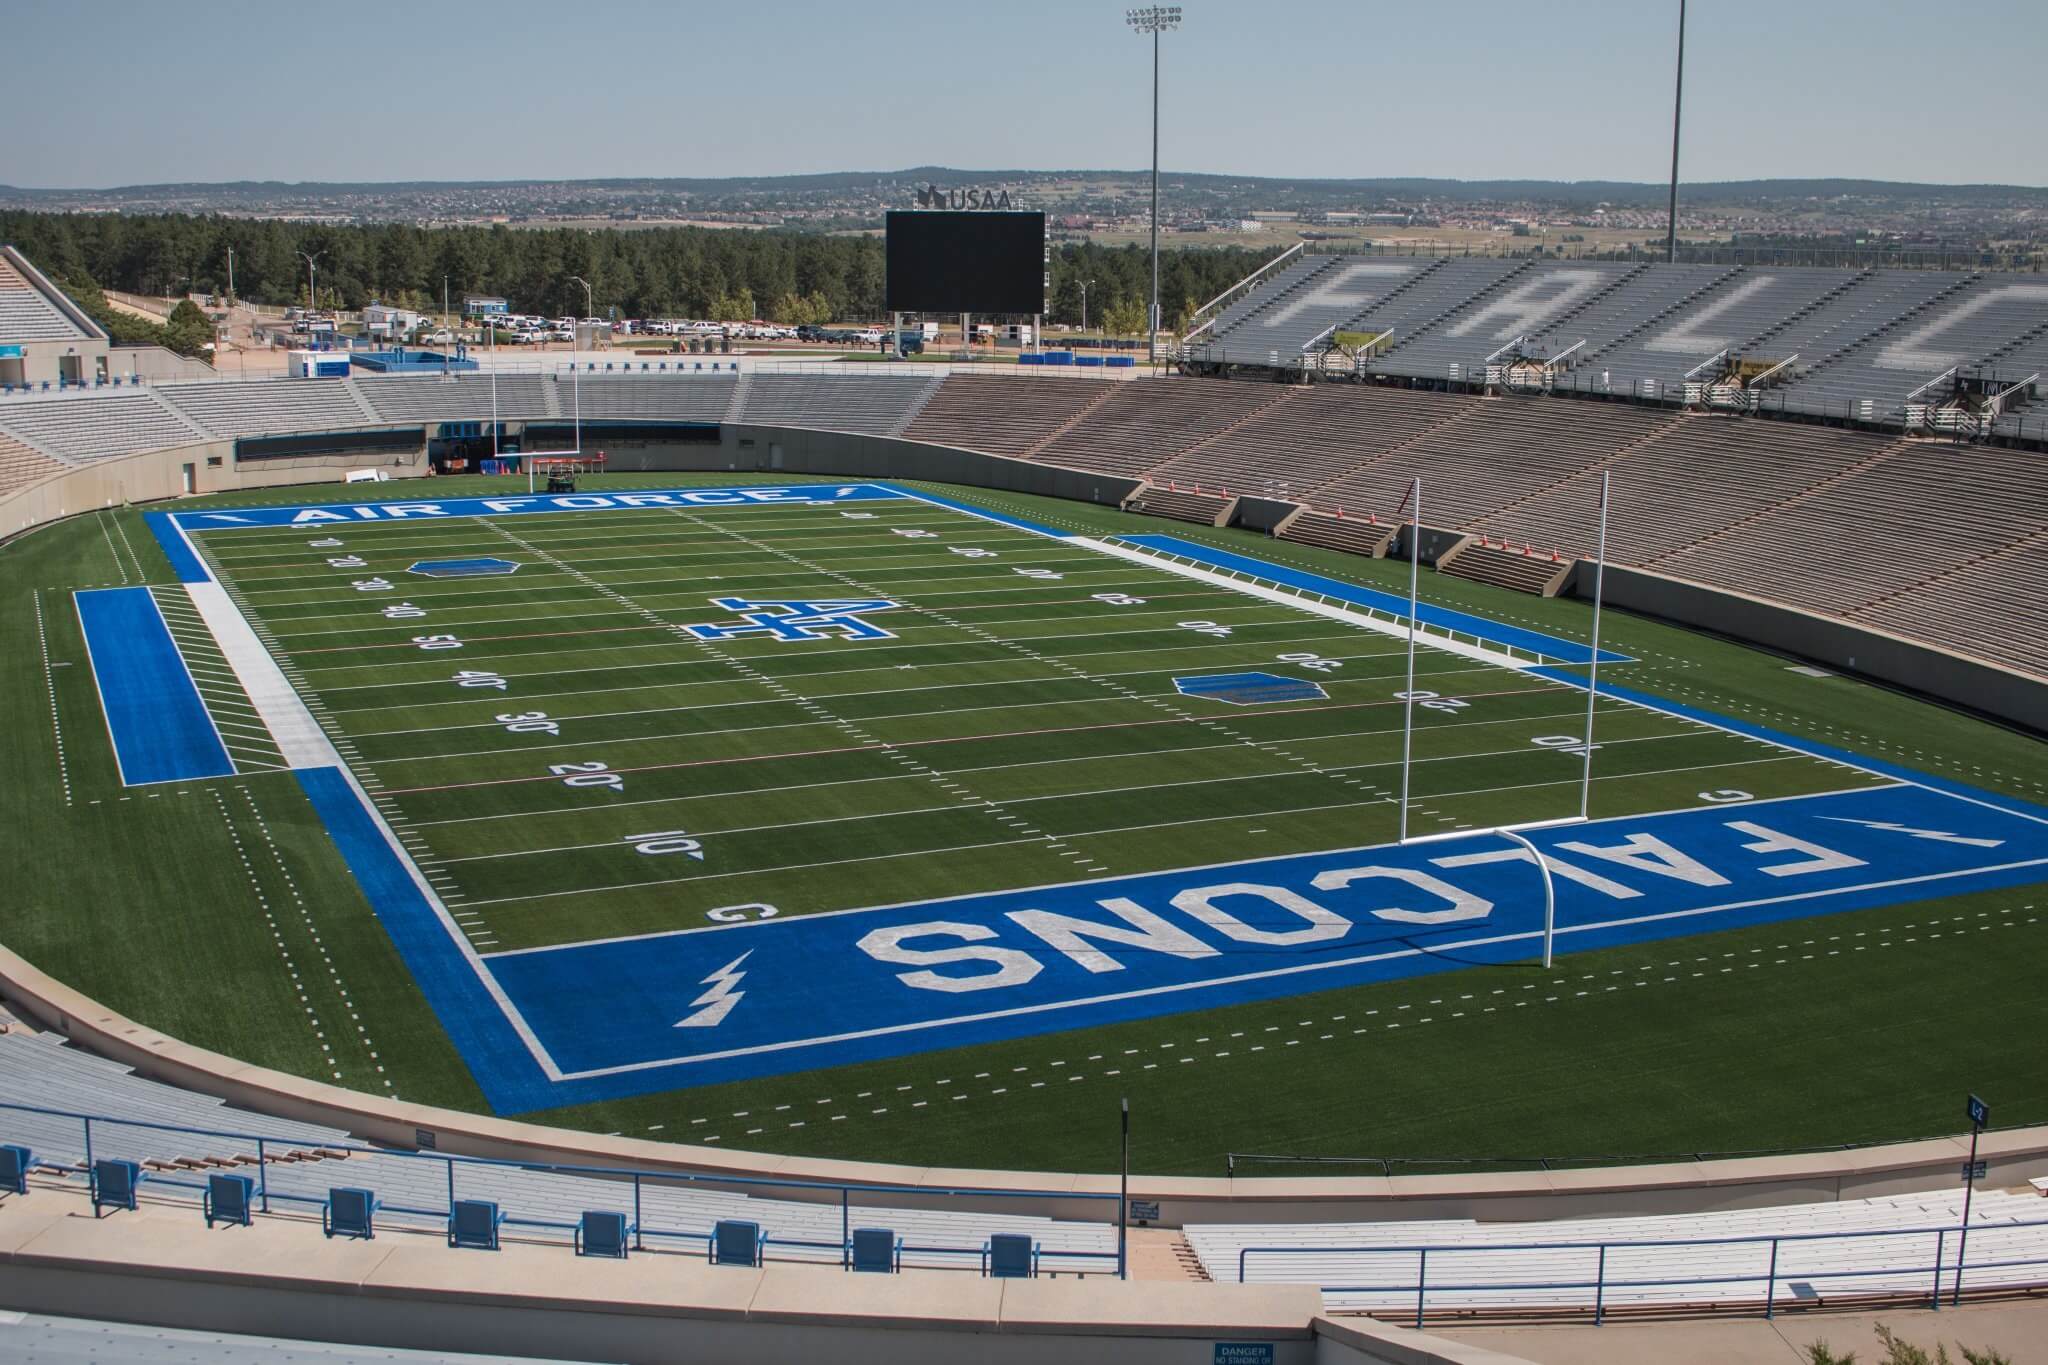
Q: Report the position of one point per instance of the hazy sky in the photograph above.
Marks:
(125, 93)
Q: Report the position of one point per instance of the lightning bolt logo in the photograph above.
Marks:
(718, 1001)
(1938, 836)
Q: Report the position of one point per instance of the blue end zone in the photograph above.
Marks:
(158, 724)
(176, 548)
(329, 516)
(1534, 642)
(832, 989)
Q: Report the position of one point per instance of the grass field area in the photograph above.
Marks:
(1016, 724)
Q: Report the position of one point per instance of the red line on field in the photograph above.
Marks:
(954, 739)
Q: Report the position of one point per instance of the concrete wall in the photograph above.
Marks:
(1999, 693)
(154, 475)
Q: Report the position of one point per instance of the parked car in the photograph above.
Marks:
(810, 331)
(869, 336)
(908, 343)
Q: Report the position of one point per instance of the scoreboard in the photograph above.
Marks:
(965, 262)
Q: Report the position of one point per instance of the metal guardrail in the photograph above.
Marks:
(639, 1179)
(1601, 1283)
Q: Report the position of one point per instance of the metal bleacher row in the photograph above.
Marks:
(179, 1138)
(1846, 1250)
(1873, 528)
(1852, 337)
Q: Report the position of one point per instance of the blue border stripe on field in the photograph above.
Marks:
(189, 567)
(1479, 627)
(1963, 791)
(509, 1076)
(155, 718)
(984, 513)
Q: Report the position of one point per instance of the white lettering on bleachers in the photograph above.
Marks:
(1335, 294)
(1912, 352)
(1687, 338)
(1527, 308)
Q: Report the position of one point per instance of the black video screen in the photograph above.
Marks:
(966, 262)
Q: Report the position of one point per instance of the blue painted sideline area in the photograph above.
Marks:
(158, 724)
(511, 1079)
(1493, 632)
(176, 548)
(1960, 790)
(326, 516)
(984, 513)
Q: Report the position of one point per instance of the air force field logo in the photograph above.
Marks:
(806, 620)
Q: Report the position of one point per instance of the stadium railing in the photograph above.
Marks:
(164, 1175)
(1944, 1275)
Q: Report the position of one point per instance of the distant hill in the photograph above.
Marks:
(789, 188)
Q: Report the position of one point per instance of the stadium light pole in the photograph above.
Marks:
(1677, 102)
(1155, 20)
(312, 290)
(1084, 304)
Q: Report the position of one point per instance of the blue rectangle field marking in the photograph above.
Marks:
(158, 724)
(1549, 646)
(176, 548)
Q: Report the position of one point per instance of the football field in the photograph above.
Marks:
(994, 709)
(669, 788)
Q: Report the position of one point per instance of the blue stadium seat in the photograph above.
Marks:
(114, 1184)
(601, 1234)
(474, 1223)
(736, 1242)
(877, 1251)
(349, 1212)
(1010, 1256)
(14, 1164)
(226, 1199)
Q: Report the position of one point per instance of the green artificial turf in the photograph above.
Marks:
(813, 777)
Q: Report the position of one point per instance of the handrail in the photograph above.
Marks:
(1602, 1281)
(1512, 345)
(1947, 374)
(1715, 359)
(638, 1176)
(1995, 405)
(1757, 380)
(1243, 284)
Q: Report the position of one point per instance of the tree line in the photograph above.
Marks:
(727, 275)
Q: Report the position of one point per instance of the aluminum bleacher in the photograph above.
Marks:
(1910, 511)
(879, 405)
(179, 1136)
(1316, 305)
(1639, 303)
(261, 407)
(1282, 285)
(414, 398)
(1524, 303)
(1729, 469)
(1851, 1250)
(27, 314)
(85, 426)
(657, 397)
(1497, 454)
(22, 464)
(1141, 426)
(1960, 325)
(1003, 416)
(1309, 437)
(1742, 306)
